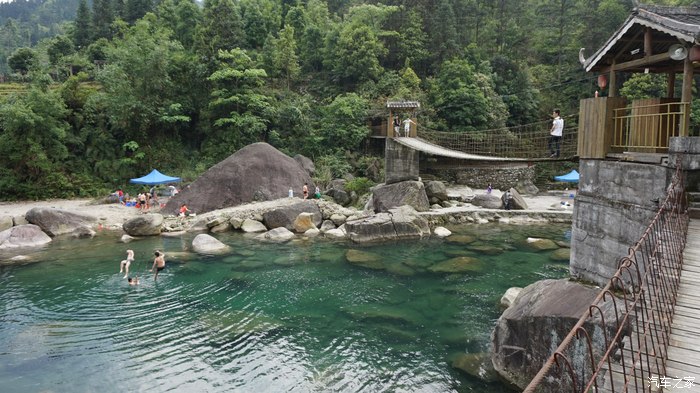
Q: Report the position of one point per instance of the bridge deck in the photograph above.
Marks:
(684, 349)
(430, 148)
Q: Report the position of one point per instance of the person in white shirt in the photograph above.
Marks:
(555, 134)
(407, 125)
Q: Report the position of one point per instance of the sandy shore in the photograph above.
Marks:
(111, 214)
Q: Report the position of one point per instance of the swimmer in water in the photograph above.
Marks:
(124, 265)
(158, 264)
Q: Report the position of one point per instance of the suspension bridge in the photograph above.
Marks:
(525, 143)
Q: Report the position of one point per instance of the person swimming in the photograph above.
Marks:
(124, 264)
(133, 280)
(158, 264)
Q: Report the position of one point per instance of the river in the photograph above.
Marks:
(265, 318)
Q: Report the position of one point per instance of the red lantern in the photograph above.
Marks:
(694, 54)
(602, 81)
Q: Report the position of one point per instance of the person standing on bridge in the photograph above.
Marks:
(555, 133)
(407, 125)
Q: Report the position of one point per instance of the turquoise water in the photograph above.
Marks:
(266, 318)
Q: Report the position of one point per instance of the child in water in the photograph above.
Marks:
(124, 265)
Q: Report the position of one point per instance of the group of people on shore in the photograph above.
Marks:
(158, 266)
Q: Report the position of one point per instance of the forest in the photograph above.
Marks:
(95, 93)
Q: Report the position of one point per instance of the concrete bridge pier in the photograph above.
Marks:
(615, 202)
(401, 163)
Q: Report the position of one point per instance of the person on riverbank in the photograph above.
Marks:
(305, 190)
(124, 265)
(158, 264)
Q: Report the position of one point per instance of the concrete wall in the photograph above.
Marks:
(400, 162)
(614, 205)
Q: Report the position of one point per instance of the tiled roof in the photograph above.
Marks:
(403, 104)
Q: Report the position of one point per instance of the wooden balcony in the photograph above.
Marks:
(610, 127)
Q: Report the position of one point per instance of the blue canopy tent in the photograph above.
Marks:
(155, 177)
(571, 177)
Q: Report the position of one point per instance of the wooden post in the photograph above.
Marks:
(613, 82)
(390, 125)
(647, 42)
(687, 95)
(671, 87)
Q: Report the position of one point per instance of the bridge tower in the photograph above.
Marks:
(400, 162)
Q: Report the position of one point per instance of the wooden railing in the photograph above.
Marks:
(647, 125)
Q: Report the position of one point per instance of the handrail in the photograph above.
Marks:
(649, 127)
(647, 280)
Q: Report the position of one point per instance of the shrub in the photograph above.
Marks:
(360, 185)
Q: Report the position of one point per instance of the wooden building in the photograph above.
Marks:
(653, 39)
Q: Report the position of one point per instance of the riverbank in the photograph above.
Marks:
(111, 216)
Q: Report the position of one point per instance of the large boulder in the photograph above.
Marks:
(397, 224)
(286, 215)
(255, 172)
(23, 236)
(526, 187)
(55, 222)
(144, 225)
(306, 163)
(487, 201)
(547, 310)
(389, 196)
(517, 202)
(207, 244)
(277, 235)
(304, 222)
(6, 222)
(436, 191)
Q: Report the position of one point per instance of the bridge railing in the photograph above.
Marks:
(627, 351)
(527, 141)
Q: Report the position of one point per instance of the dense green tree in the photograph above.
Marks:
(58, 48)
(32, 147)
(102, 18)
(286, 60)
(515, 88)
(640, 86)
(355, 58)
(342, 127)
(221, 28)
(82, 33)
(240, 109)
(182, 17)
(22, 60)
(465, 99)
(138, 90)
(136, 9)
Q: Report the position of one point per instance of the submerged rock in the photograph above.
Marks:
(561, 255)
(456, 265)
(207, 244)
(541, 244)
(477, 365)
(364, 259)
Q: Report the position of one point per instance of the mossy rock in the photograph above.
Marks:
(561, 255)
(364, 259)
(486, 250)
(456, 265)
(539, 244)
(461, 239)
(400, 269)
(475, 364)
(464, 252)
(383, 313)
